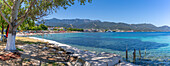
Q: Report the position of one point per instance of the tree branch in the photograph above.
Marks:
(7, 4)
(3, 16)
(25, 15)
(21, 1)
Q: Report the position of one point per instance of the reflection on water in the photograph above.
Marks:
(156, 44)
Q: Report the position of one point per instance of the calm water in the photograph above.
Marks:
(157, 44)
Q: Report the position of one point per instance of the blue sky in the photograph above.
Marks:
(156, 12)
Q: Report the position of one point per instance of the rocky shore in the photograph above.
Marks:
(45, 52)
(88, 58)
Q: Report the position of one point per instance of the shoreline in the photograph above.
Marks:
(28, 34)
(101, 59)
(81, 53)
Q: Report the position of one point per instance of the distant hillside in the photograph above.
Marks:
(96, 24)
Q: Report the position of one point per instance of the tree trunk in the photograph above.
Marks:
(10, 46)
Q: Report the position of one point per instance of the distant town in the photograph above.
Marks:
(86, 30)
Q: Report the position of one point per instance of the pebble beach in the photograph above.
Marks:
(55, 53)
(91, 57)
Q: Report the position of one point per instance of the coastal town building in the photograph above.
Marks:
(93, 30)
(55, 28)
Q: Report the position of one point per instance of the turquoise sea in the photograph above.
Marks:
(156, 44)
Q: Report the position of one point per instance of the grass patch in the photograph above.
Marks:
(26, 40)
(19, 49)
(53, 64)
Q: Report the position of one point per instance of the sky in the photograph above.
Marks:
(155, 12)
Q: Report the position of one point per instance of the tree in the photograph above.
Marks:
(3, 25)
(74, 29)
(2, 21)
(44, 27)
(28, 24)
(2, 29)
(34, 9)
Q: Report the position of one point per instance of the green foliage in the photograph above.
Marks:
(4, 23)
(36, 28)
(28, 27)
(58, 29)
(74, 29)
(33, 9)
(43, 27)
(28, 24)
(16, 11)
(53, 64)
(19, 49)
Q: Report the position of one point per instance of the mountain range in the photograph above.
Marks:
(97, 24)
